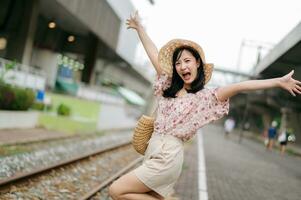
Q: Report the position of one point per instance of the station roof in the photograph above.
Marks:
(284, 57)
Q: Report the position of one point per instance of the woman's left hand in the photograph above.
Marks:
(288, 83)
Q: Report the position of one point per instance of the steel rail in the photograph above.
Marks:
(111, 179)
(24, 175)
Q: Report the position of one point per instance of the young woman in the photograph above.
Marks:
(184, 105)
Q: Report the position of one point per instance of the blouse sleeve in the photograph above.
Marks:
(162, 82)
(210, 108)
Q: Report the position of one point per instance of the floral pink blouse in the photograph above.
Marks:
(184, 115)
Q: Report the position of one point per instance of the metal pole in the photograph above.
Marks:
(243, 120)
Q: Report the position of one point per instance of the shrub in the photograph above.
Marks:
(15, 98)
(7, 67)
(41, 106)
(63, 110)
(38, 106)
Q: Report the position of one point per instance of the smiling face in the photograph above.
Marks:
(186, 66)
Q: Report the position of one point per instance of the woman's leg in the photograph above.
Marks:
(129, 187)
(155, 194)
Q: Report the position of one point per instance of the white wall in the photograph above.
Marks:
(18, 119)
(113, 116)
(23, 76)
(119, 74)
(47, 60)
(25, 79)
(128, 39)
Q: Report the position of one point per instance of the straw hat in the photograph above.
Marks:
(166, 53)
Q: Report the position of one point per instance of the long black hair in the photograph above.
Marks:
(177, 82)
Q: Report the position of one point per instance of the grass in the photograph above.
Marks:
(83, 119)
(66, 124)
(79, 107)
(11, 150)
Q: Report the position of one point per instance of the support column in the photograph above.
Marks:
(101, 71)
(284, 117)
(32, 25)
(267, 119)
(21, 37)
(90, 57)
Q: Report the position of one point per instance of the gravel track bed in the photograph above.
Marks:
(53, 154)
(14, 149)
(103, 194)
(74, 180)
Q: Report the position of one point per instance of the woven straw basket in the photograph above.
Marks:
(142, 133)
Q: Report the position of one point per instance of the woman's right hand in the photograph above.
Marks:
(133, 21)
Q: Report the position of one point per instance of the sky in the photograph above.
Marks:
(220, 26)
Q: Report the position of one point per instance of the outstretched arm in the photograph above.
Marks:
(286, 82)
(150, 48)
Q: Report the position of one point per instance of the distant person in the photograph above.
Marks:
(283, 139)
(185, 105)
(229, 126)
(272, 132)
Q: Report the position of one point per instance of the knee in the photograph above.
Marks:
(114, 192)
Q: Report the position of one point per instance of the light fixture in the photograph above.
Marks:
(3, 42)
(71, 38)
(51, 25)
(65, 61)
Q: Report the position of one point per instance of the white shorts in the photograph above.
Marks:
(162, 164)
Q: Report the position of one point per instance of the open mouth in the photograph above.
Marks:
(186, 76)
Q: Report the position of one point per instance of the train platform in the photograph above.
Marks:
(229, 170)
(220, 168)
(19, 136)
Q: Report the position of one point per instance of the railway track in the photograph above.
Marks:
(74, 178)
(100, 191)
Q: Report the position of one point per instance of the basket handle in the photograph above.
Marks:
(155, 110)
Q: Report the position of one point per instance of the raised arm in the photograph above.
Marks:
(150, 48)
(286, 82)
